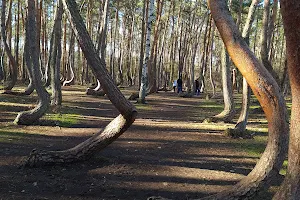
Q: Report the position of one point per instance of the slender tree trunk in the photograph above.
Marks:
(12, 62)
(228, 113)
(211, 61)
(240, 127)
(70, 62)
(56, 98)
(142, 46)
(32, 61)
(290, 188)
(143, 87)
(115, 128)
(101, 46)
(152, 67)
(264, 52)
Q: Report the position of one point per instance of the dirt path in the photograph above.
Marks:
(167, 152)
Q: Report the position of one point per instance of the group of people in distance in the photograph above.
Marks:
(178, 83)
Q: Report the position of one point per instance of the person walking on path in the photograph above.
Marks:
(179, 85)
(197, 85)
(174, 85)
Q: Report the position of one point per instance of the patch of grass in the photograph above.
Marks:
(284, 168)
(8, 136)
(254, 147)
(64, 120)
(141, 107)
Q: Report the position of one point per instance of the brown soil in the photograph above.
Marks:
(167, 152)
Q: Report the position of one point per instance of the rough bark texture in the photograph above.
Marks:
(290, 188)
(13, 65)
(264, 52)
(144, 79)
(32, 61)
(152, 68)
(268, 93)
(115, 128)
(70, 63)
(56, 98)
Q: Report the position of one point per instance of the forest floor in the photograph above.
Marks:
(166, 152)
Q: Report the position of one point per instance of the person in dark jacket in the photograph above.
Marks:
(197, 87)
(179, 85)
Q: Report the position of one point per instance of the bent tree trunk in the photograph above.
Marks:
(70, 63)
(32, 61)
(12, 62)
(115, 128)
(267, 92)
(290, 188)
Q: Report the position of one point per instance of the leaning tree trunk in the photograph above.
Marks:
(32, 61)
(56, 98)
(271, 99)
(290, 188)
(115, 128)
(240, 127)
(12, 62)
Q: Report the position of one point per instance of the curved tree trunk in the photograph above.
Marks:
(30, 88)
(12, 62)
(268, 93)
(70, 62)
(290, 188)
(115, 128)
(32, 60)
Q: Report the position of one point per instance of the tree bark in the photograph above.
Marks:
(240, 127)
(264, 52)
(56, 98)
(228, 113)
(70, 62)
(144, 80)
(142, 45)
(290, 188)
(268, 93)
(32, 61)
(12, 62)
(115, 128)
(152, 68)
